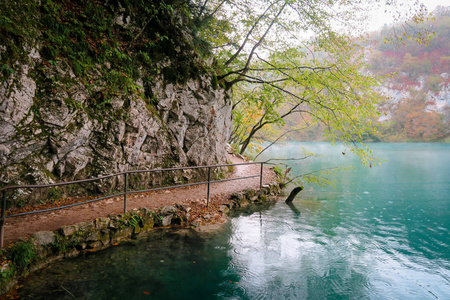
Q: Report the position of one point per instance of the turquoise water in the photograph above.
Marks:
(383, 233)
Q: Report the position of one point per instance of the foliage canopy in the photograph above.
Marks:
(302, 57)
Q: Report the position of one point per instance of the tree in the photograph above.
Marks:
(416, 122)
(285, 57)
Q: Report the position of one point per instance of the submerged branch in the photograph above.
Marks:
(294, 193)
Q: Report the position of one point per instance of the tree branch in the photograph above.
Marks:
(248, 36)
(258, 43)
(309, 173)
(289, 131)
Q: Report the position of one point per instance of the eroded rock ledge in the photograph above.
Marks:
(45, 247)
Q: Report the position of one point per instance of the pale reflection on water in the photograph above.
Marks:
(283, 258)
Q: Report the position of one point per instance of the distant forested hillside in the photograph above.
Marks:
(411, 60)
(418, 84)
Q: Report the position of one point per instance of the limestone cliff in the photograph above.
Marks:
(437, 100)
(100, 87)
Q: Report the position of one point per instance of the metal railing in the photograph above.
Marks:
(125, 189)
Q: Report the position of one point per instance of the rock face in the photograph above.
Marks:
(438, 101)
(57, 126)
(190, 125)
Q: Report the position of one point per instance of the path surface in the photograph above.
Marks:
(22, 227)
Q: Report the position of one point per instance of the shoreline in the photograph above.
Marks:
(45, 247)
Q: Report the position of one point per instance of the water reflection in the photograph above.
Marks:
(293, 208)
(292, 260)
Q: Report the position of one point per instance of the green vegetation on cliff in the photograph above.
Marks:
(120, 36)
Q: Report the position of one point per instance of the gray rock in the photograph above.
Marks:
(43, 238)
(76, 161)
(16, 99)
(55, 112)
(92, 236)
(68, 230)
(101, 223)
(94, 244)
(168, 210)
(69, 136)
(224, 209)
(167, 220)
(184, 207)
(254, 198)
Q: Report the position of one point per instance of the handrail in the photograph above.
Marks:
(121, 173)
(125, 192)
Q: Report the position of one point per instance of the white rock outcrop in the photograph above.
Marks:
(63, 136)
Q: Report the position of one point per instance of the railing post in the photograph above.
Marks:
(261, 176)
(2, 222)
(125, 189)
(209, 184)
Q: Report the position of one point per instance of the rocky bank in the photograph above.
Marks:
(68, 241)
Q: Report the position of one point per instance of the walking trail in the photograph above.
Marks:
(24, 226)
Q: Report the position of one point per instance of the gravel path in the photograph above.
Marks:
(22, 227)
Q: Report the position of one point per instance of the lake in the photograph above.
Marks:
(381, 233)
